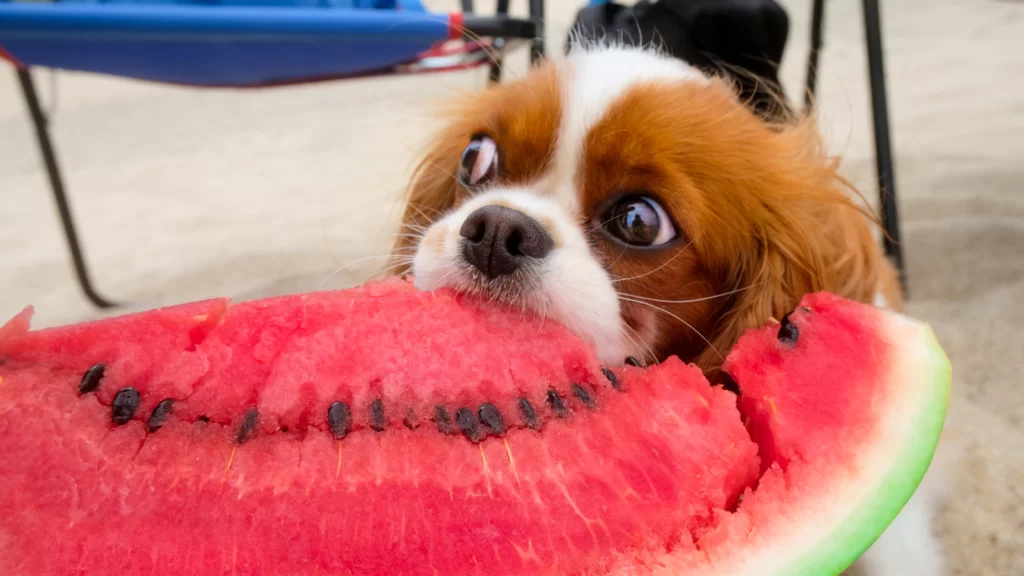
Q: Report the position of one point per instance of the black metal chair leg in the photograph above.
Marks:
(57, 186)
(494, 75)
(883, 149)
(537, 15)
(817, 22)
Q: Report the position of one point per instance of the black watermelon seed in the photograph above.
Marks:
(204, 418)
(247, 427)
(633, 362)
(468, 423)
(729, 383)
(339, 419)
(581, 393)
(557, 404)
(788, 332)
(410, 419)
(442, 419)
(284, 429)
(159, 415)
(528, 414)
(612, 378)
(125, 403)
(91, 379)
(491, 417)
(377, 420)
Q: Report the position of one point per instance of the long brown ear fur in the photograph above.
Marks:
(432, 191)
(809, 234)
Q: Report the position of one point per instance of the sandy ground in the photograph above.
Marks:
(183, 194)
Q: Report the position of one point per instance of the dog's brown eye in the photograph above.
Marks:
(638, 221)
(480, 163)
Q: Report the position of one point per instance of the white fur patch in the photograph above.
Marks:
(572, 287)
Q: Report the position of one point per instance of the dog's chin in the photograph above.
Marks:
(591, 312)
(516, 290)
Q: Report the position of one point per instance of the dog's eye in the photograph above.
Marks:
(639, 221)
(479, 162)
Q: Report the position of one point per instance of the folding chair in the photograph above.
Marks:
(243, 43)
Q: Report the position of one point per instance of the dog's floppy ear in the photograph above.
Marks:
(432, 191)
(803, 232)
(783, 267)
(794, 258)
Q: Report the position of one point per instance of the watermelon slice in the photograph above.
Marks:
(384, 430)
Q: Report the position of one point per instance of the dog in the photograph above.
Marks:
(641, 203)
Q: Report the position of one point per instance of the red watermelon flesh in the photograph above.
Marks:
(385, 430)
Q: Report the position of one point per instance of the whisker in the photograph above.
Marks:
(646, 352)
(450, 174)
(617, 258)
(411, 230)
(692, 300)
(601, 224)
(414, 227)
(419, 210)
(327, 243)
(349, 265)
(652, 357)
(687, 324)
(542, 306)
(652, 271)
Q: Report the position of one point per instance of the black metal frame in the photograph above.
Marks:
(499, 27)
(536, 36)
(885, 172)
(53, 172)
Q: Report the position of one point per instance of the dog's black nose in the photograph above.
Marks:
(498, 240)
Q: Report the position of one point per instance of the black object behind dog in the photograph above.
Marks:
(743, 39)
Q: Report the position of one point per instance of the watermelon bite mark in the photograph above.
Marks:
(384, 430)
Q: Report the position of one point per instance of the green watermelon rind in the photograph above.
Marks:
(860, 530)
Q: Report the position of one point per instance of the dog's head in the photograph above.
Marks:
(638, 202)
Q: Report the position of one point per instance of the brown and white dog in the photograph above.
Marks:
(637, 201)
